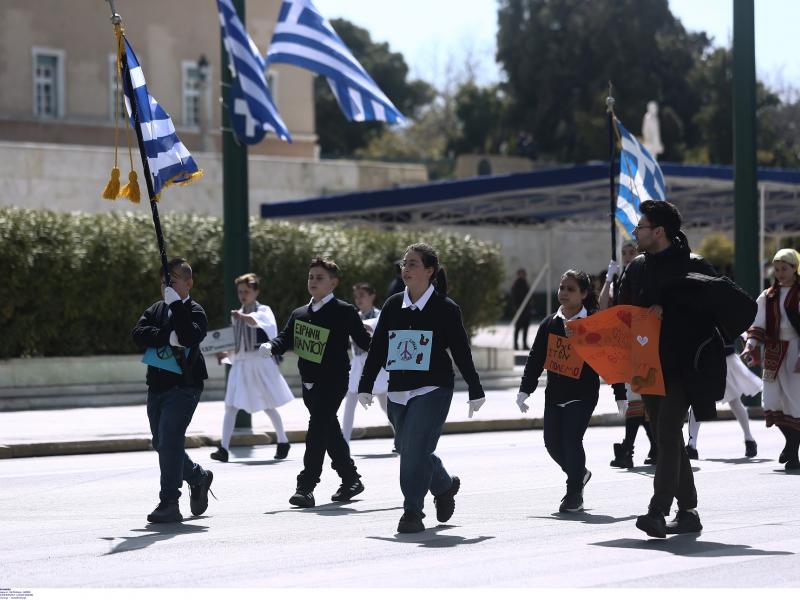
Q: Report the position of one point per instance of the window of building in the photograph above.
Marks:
(192, 91)
(48, 83)
(116, 99)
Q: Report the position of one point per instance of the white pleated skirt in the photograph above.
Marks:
(741, 380)
(381, 385)
(256, 383)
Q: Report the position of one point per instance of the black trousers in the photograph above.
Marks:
(522, 326)
(564, 428)
(674, 478)
(325, 435)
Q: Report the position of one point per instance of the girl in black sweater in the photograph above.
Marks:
(572, 387)
(414, 331)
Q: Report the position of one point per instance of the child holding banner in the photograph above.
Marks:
(253, 384)
(573, 387)
(364, 296)
(414, 333)
(319, 333)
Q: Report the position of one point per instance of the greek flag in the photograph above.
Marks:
(168, 160)
(304, 38)
(640, 179)
(252, 110)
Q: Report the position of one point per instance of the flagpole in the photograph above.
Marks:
(611, 153)
(116, 20)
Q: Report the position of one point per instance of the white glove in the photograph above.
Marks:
(475, 405)
(265, 350)
(521, 398)
(173, 340)
(170, 295)
(613, 269)
(365, 400)
(622, 407)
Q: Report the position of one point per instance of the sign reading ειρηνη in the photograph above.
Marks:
(310, 341)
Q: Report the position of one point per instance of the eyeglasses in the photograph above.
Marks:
(645, 227)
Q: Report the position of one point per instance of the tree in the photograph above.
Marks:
(559, 56)
(339, 137)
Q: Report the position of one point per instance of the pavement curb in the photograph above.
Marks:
(132, 444)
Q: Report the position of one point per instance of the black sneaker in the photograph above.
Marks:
(792, 465)
(167, 511)
(410, 523)
(302, 498)
(623, 457)
(685, 521)
(198, 494)
(750, 448)
(282, 450)
(692, 453)
(653, 523)
(572, 502)
(445, 503)
(347, 491)
(587, 475)
(220, 454)
(784, 455)
(652, 456)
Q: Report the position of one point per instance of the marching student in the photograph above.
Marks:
(739, 382)
(569, 400)
(776, 329)
(633, 409)
(364, 296)
(166, 329)
(253, 383)
(414, 332)
(319, 333)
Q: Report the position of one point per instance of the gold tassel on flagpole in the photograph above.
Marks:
(131, 189)
(111, 190)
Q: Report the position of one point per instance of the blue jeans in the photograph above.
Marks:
(170, 412)
(417, 427)
(564, 427)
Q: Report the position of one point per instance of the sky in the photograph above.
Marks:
(438, 37)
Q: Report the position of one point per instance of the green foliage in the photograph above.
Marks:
(337, 136)
(717, 249)
(75, 284)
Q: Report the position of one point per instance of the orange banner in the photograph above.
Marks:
(562, 357)
(621, 344)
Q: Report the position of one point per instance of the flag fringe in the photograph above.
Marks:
(196, 175)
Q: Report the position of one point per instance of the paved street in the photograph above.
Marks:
(79, 521)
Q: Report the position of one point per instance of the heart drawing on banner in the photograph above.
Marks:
(642, 340)
(625, 317)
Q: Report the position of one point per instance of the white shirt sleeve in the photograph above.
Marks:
(266, 320)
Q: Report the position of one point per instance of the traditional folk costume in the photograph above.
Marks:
(777, 327)
(379, 390)
(255, 384)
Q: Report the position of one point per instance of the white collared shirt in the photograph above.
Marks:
(404, 397)
(315, 306)
(419, 304)
(582, 314)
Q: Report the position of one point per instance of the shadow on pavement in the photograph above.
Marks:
(739, 461)
(689, 545)
(432, 538)
(257, 463)
(368, 456)
(333, 509)
(154, 532)
(585, 517)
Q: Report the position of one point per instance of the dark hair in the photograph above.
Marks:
(431, 259)
(584, 285)
(664, 214)
(250, 279)
(364, 286)
(180, 266)
(331, 267)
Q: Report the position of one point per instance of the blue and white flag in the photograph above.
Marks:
(253, 113)
(304, 38)
(640, 179)
(168, 160)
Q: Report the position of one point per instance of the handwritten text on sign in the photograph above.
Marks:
(562, 357)
(310, 341)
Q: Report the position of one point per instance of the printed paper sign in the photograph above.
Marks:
(409, 350)
(310, 341)
(218, 340)
(162, 358)
(621, 344)
(562, 358)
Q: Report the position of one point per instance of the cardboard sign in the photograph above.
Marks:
(310, 341)
(218, 340)
(621, 344)
(409, 350)
(562, 357)
(162, 358)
